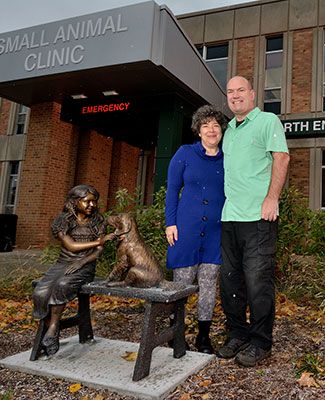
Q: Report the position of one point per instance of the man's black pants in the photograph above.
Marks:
(247, 278)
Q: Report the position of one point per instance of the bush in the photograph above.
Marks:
(301, 230)
(301, 249)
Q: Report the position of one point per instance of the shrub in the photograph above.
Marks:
(301, 230)
(301, 249)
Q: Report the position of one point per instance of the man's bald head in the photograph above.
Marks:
(240, 96)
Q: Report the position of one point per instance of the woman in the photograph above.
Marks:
(193, 219)
(81, 231)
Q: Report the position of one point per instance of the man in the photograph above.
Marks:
(256, 161)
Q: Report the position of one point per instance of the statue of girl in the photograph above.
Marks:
(81, 229)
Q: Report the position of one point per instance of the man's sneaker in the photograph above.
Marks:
(251, 356)
(232, 347)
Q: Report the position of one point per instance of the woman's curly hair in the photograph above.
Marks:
(205, 114)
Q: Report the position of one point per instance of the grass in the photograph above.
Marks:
(312, 363)
(8, 395)
(304, 281)
(18, 284)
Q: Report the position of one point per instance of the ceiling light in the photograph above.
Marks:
(110, 93)
(78, 96)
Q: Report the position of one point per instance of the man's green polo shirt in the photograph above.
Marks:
(248, 163)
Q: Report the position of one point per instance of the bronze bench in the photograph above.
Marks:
(159, 302)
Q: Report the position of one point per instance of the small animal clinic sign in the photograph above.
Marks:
(105, 108)
(110, 37)
(313, 127)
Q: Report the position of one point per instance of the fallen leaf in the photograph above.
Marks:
(206, 382)
(130, 355)
(99, 397)
(307, 380)
(205, 396)
(185, 396)
(75, 387)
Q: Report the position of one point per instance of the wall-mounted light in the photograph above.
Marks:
(78, 96)
(110, 93)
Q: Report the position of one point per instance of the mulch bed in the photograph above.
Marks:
(274, 378)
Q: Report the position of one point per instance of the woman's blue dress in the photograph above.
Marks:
(197, 211)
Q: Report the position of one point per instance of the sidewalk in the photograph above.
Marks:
(20, 259)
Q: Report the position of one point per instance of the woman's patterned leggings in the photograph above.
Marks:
(207, 276)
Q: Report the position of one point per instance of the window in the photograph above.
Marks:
(216, 57)
(323, 182)
(20, 126)
(273, 74)
(11, 187)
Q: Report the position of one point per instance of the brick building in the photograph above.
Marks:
(101, 99)
(54, 132)
(279, 46)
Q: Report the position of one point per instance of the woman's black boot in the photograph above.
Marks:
(203, 342)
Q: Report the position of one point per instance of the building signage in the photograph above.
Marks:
(104, 108)
(304, 127)
(41, 57)
(100, 39)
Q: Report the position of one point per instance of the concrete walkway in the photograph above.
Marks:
(101, 365)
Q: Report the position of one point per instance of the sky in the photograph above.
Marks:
(17, 14)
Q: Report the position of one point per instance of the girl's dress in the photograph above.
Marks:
(55, 287)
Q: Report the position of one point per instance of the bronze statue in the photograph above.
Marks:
(81, 229)
(136, 264)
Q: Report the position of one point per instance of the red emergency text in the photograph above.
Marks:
(104, 108)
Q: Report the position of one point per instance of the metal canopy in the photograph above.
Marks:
(135, 50)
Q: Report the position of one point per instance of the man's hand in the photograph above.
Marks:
(171, 234)
(270, 204)
(270, 209)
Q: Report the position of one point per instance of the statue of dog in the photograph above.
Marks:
(136, 264)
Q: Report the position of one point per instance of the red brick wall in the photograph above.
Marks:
(301, 95)
(94, 163)
(124, 169)
(299, 170)
(4, 116)
(150, 178)
(47, 173)
(301, 71)
(245, 58)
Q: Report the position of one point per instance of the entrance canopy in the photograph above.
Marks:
(134, 50)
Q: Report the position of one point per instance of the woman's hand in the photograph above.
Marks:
(171, 234)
